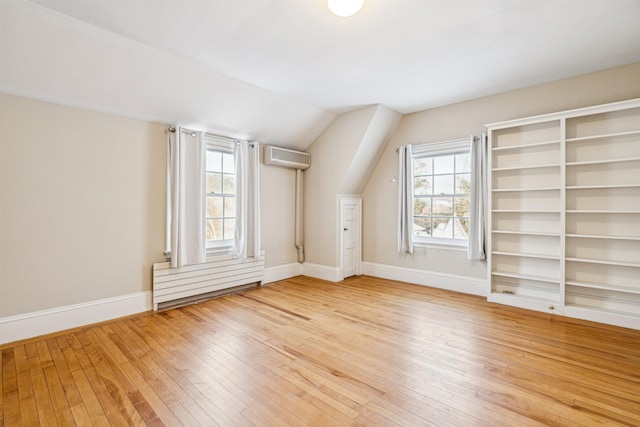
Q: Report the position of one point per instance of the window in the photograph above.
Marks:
(221, 195)
(441, 194)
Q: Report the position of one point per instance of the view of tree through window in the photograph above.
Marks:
(221, 195)
(441, 196)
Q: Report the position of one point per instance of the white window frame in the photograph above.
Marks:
(461, 146)
(225, 146)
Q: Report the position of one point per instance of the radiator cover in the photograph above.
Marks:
(218, 273)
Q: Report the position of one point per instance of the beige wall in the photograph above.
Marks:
(82, 205)
(331, 156)
(460, 120)
(277, 187)
(82, 194)
(343, 158)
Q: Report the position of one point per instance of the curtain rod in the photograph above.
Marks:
(172, 129)
(442, 142)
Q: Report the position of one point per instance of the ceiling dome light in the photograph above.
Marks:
(345, 8)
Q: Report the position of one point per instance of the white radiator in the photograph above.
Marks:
(219, 273)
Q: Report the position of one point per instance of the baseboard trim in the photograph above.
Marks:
(451, 282)
(29, 325)
(281, 272)
(324, 272)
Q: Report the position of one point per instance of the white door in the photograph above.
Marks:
(351, 241)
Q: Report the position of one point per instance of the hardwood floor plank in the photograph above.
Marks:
(362, 352)
(97, 381)
(46, 414)
(84, 388)
(10, 396)
(1, 393)
(28, 410)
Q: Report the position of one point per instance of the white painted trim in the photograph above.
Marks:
(451, 282)
(594, 109)
(324, 272)
(595, 315)
(281, 272)
(28, 325)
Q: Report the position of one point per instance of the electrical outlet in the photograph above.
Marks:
(284, 260)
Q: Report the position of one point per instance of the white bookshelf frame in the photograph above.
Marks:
(598, 279)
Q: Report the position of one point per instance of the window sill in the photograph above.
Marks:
(219, 250)
(443, 246)
(211, 251)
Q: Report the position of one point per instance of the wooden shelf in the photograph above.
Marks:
(527, 277)
(599, 162)
(603, 136)
(527, 255)
(599, 211)
(545, 166)
(518, 190)
(615, 288)
(601, 187)
(526, 233)
(597, 236)
(524, 211)
(525, 146)
(524, 300)
(604, 262)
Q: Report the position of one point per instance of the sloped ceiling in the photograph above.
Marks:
(296, 57)
(54, 58)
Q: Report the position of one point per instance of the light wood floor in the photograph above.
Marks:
(305, 352)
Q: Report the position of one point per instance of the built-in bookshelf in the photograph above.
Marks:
(564, 213)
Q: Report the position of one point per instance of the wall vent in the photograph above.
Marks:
(277, 156)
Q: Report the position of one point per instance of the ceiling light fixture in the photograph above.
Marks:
(345, 8)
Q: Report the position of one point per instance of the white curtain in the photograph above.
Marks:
(187, 177)
(405, 200)
(479, 194)
(247, 234)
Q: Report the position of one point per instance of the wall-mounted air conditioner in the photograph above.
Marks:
(277, 156)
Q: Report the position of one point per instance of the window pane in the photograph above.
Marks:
(443, 206)
(229, 184)
(229, 207)
(228, 163)
(423, 166)
(214, 207)
(214, 229)
(463, 184)
(422, 186)
(221, 201)
(422, 226)
(441, 189)
(463, 207)
(214, 161)
(443, 227)
(422, 206)
(443, 164)
(443, 184)
(229, 228)
(214, 183)
(463, 162)
(461, 230)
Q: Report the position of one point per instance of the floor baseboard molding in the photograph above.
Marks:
(324, 272)
(451, 282)
(281, 272)
(29, 325)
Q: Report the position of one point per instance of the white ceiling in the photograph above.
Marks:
(405, 54)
